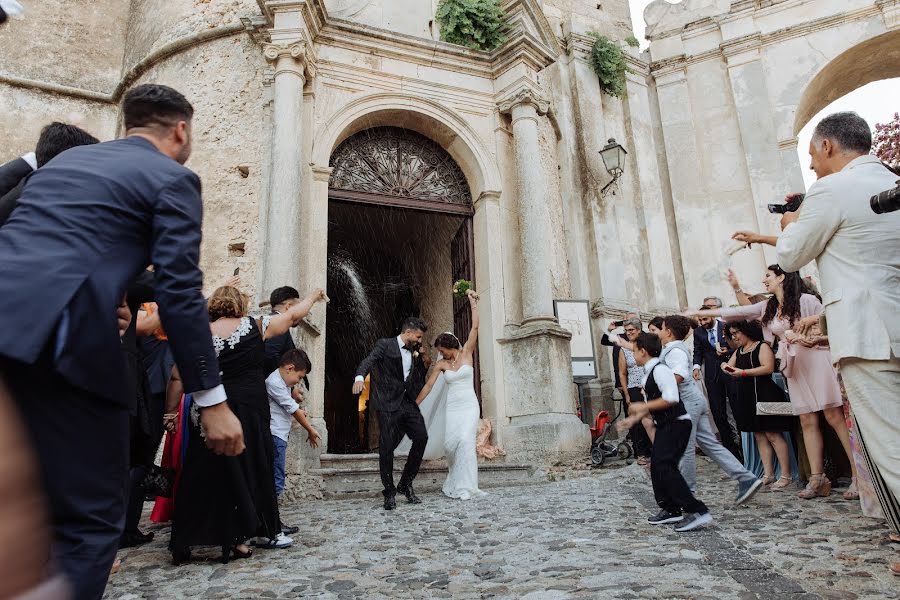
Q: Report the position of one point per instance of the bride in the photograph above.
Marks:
(451, 412)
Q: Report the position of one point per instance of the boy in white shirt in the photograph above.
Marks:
(673, 430)
(284, 406)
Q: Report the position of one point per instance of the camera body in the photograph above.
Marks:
(792, 205)
(887, 201)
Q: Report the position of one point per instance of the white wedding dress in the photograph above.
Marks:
(451, 415)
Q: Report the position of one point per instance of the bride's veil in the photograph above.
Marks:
(434, 412)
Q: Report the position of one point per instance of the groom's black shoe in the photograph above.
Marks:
(389, 503)
(407, 491)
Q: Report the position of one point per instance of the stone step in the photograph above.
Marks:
(358, 474)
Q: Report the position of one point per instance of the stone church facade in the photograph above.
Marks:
(501, 155)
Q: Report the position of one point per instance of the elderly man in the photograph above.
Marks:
(858, 256)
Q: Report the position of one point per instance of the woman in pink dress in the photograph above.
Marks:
(805, 363)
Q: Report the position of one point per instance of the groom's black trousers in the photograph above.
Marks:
(394, 424)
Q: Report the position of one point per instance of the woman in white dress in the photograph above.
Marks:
(451, 410)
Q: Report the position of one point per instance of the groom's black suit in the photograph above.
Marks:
(394, 400)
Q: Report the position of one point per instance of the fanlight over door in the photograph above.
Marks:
(399, 167)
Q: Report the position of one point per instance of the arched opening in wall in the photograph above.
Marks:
(399, 234)
(864, 79)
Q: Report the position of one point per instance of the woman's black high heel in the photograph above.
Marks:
(180, 555)
(232, 552)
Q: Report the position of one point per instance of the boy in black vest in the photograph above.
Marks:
(673, 430)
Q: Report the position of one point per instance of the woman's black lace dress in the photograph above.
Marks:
(223, 501)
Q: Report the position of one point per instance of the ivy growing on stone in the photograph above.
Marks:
(476, 24)
(608, 61)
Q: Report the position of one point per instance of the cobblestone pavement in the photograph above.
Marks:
(584, 536)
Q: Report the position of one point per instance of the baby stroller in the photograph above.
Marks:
(600, 448)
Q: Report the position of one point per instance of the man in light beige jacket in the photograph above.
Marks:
(858, 256)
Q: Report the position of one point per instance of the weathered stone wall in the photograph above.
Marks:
(223, 80)
(26, 111)
(79, 43)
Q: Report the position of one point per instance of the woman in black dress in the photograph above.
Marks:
(752, 364)
(224, 501)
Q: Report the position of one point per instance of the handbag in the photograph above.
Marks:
(158, 482)
(770, 409)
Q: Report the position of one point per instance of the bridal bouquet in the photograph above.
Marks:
(461, 288)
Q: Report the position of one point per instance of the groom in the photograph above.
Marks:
(397, 376)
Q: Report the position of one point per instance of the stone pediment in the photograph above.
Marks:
(526, 18)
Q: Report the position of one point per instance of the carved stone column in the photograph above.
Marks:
(282, 236)
(524, 107)
(539, 393)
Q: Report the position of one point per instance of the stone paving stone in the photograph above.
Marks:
(581, 536)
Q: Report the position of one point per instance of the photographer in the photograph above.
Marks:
(858, 256)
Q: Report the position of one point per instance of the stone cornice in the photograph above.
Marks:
(713, 25)
(524, 95)
(488, 197)
(788, 144)
(891, 11)
(321, 173)
(312, 12)
(542, 328)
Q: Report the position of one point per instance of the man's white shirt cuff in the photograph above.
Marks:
(31, 159)
(696, 368)
(210, 397)
(360, 379)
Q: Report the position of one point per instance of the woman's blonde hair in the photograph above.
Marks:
(227, 301)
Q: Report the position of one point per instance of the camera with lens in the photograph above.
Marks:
(887, 201)
(792, 205)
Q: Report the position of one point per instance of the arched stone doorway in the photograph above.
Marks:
(399, 233)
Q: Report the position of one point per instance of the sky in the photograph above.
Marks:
(876, 102)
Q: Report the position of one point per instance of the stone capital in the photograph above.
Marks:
(288, 58)
(524, 95)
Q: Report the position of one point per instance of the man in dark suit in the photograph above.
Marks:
(55, 139)
(397, 376)
(281, 299)
(87, 224)
(15, 171)
(710, 351)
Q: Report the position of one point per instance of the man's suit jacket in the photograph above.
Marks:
(87, 224)
(12, 179)
(12, 173)
(616, 354)
(705, 353)
(385, 365)
(858, 256)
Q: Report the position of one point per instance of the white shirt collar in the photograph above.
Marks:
(667, 344)
(650, 364)
(400, 343)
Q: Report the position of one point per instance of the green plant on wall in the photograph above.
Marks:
(608, 61)
(477, 24)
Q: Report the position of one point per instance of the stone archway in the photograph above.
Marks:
(872, 60)
(399, 233)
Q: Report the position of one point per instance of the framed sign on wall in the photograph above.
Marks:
(575, 317)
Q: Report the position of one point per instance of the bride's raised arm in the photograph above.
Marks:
(472, 342)
(435, 373)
